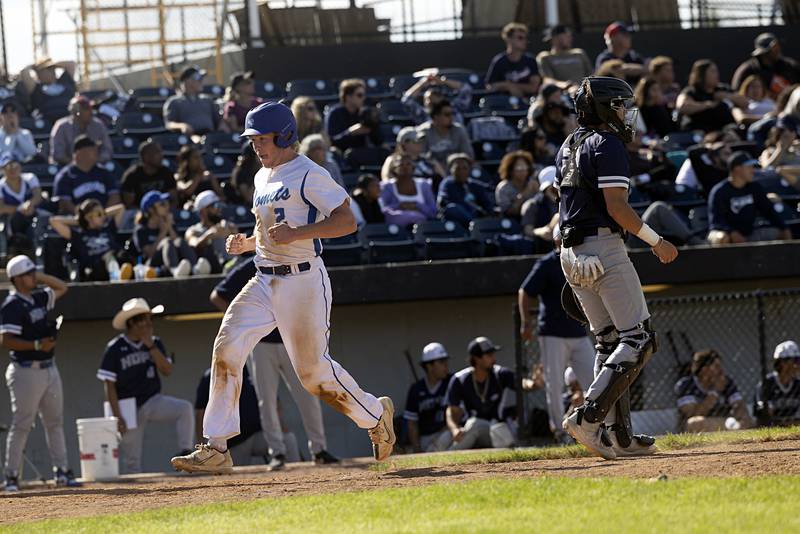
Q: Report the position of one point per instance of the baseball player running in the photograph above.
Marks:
(592, 176)
(296, 203)
(32, 376)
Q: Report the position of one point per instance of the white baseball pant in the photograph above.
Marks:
(270, 362)
(299, 305)
(555, 353)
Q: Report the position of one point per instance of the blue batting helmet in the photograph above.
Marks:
(272, 117)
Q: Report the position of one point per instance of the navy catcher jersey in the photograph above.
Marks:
(128, 364)
(26, 318)
(689, 391)
(783, 401)
(603, 162)
(249, 415)
(427, 406)
(492, 400)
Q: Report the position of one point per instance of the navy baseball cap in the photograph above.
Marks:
(83, 141)
(192, 71)
(150, 198)
(740, 158)
(271, 117)
(482, 345)
(7, 158)
(553, 31)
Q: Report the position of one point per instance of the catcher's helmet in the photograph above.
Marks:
(272, 117)
(597, 102)
(571, 305)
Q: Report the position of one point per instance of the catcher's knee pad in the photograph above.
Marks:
(606, 341)
(635, 348)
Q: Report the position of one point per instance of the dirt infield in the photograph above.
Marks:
(728, 460)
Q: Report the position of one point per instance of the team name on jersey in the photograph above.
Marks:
(134, 358)
(37, 314)
(738, 203)
(282, 193)
(89, 187)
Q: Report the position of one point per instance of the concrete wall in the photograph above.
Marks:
(368, 340)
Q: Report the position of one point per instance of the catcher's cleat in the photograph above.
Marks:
(641, 444)
(382, 435)
(204, 459)
(588, 434)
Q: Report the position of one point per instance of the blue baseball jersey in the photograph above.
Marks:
(545, 282)
(89, 246)
(603, 163)
(234, 282)
(143, 236)
(26, 318)
(493, 400)
(689, 391)
(427, 406)
(128, 364)
(249, 415)
(28, 182)
(782, 400)
(502, 69)
(735, 208)
(74, 184)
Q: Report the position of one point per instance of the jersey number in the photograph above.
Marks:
(279, 214)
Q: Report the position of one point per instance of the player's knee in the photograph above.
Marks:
(224, 350)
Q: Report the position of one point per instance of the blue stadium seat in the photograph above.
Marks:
(319, 90)
(772, 182)
(242, 217)
(377, 87)
(393, 110)
(486, 230)
(184, 219)
(220, 165)
(214, 90)
(463, 76)
(268, 90)
(480, 174)
(503, 105)
(345, 250)
(698, 220)
(389, 133)
(45, 172)
(681, 140)
(387, 243)
(114, 168)
(124, 148)
(140, 123)
(443, 240)
(40, 128)
(223, 143)
(490, 152)
(151, 99)
(350, 180)
(366, 158)
(171, 142)
(400, 83)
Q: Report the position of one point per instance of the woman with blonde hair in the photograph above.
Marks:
(308, 117)
(517, 183)
(758, 101)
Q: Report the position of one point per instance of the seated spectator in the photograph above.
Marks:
(406, 200)
(409, 144)
(308, 117)
(557, 123)
(669, 223)
(708, 397)
(517, 183)
(15, 140)
(20, 195)
(777, 400)
(366, 196)
(441, 136)
(537, 213)
(613, 68)
(619, 45)
(562, 63)
(781, 148)
(154, 235)
(481, 401)
(84, 178)
(316, 148)
(534, 141)
(707, 164)
(239, 99)
(149, 174)
(425, 403)
(92, 235)
(80, 121)
(243, 176)
(130, 369)
(514, 70)
(192, 177)
(704, 102)
(758, 131)
(349, 124)
(662, 70)
(550, 93)
(758, 103)
(190, 112)
(653, 108)
(768, 63)
(49, 94)
(734, 203)
(207, 237)
(461, 198)
(434, 88)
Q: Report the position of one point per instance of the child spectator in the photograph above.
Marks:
(517, 183)
(708, 397)
(13, 139)
(461, 198)
(150, 174)
(239, 99)
(441, 136)
(406, 200)
(154, 232)
(192, 177)
(308, 117)
(777, 399)
(366, 196)
(514, 70)
(704, 102)
(92, 237)
(20, 195)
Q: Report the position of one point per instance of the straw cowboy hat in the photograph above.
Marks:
(132, 308)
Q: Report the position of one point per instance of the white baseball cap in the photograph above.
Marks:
(205, 199)
(546, 177)
(787, 349)
(19, 265)
(433, 351)
(132, 308)
(569, 376)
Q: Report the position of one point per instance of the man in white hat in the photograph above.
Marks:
(425, 407)
(129, 372)
(778, 395)
(32, 376)
(207, 237)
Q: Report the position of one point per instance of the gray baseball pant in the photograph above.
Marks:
(269, 362)
(160, 409)
(438, 441)
(483, 434)
(556, 353)
(35, 391)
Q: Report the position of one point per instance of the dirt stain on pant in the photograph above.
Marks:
(335, 399)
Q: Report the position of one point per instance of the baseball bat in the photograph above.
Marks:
(411, 364)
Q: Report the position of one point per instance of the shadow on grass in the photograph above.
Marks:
(436, 472)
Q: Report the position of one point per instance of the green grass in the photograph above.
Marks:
(665, 443)
(552, 505)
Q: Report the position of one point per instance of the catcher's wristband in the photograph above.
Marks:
(37, 344)
(648, 235)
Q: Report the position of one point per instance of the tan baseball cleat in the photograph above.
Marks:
(588, 434)
(641, 445)
(204, 459)
(382, 435)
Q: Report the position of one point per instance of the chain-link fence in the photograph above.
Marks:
(743, 327)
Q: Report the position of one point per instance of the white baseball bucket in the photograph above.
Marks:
(98, 441)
